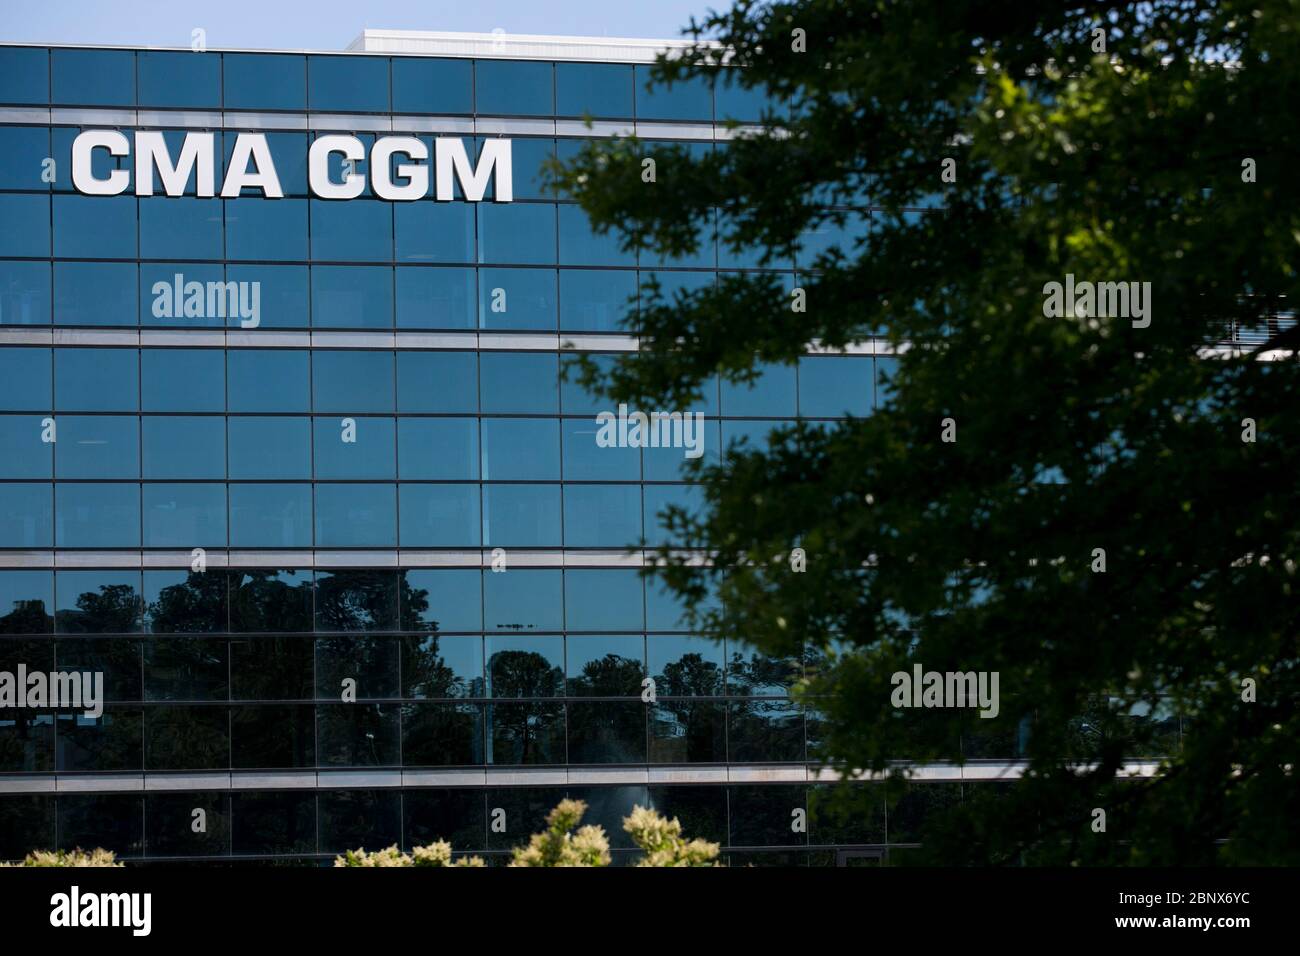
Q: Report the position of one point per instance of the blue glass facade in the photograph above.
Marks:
(349, 468)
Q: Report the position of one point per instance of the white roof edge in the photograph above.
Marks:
(519, 46)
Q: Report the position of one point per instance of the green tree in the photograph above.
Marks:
(1089, 504)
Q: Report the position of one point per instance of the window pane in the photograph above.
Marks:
(270, 516)
(437, 449)
(27, 516)
(98, 446)
(269, 737)
(515, 382)
(96, 380)
(690, 99)
(270, 601)
(772, 394)
(442, 666)
(183, 380)
(273, 666)
(169, 818)
(513, 88)
(182, 446)
(186, 668)
(96, 293)
(24, 75)
(95, 227)
(27, 225)
(354, 818)
(831, 386)
(23, 150)
(605, 666)
(434, 231)
(358, 735)
(356, 516)
(25, 379)
(526, 733)
(442, 735)
(96, 602)
(348, 83)
(580, 245)
(528, 600)
(356, 448)
(685, 666)
(22, 452)
(257, 229)
(765, 730)
(179, 79)
(444, 600)
(602, 516)
(26, 602)
(93, 77)
(97, 516)
(732, 101)
(596, 300)
(264, 81)
(426, 85)
(25, 293)
(585, 460)
(517, 299)
(347, 381)
(516, 233)
(600, 90)
(180, 227)
(352, 297)
(184, 601)
(189, 515)
(607, 731)
(523, 516)
(435, 298)
(440, 516)
(526, 449)
(267, 380)
(360, 230)
(273, 821)
(270, 447)
(437, 382)
(598, 600)
(359, 601)
(525, 665)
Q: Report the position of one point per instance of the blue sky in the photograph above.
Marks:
(330, 24)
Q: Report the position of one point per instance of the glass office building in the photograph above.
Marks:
(358, 574)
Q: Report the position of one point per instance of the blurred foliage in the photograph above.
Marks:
(77, 857)
(1073, 434)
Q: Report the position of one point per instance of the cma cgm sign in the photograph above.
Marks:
(251, 166)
